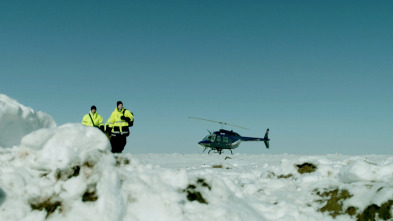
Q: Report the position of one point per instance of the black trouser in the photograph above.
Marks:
(118, 143)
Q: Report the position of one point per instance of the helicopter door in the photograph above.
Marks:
(218, 140)
(225, 140)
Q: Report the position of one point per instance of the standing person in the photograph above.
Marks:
(93, 119)
(119, 121)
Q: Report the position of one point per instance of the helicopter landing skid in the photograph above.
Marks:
(219, 151)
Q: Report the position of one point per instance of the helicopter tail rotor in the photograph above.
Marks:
(266, 144)
(266, 134)
(266, 139)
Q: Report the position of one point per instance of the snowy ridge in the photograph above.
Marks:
(68, 173)
(18, 120)
(100, 186)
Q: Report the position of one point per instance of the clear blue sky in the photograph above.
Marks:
(317, 73)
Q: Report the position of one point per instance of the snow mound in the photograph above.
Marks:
(18, 120)
(364, 171)
(64, 146)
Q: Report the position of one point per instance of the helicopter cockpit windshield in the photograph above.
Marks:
(210, 137)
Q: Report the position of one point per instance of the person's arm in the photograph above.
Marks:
(101, 124)
(109, 123)
(100, 121)
(85, 120)
(128, 117)
(111, 119)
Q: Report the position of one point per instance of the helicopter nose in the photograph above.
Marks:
(204, 143)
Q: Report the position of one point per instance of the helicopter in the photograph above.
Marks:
(225, 139)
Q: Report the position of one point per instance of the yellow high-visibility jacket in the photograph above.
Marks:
(97, 120)
(118, 125)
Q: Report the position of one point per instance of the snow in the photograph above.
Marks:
(18, 120)
(70, 170)
(63, 146)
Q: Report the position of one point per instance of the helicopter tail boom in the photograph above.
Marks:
(265, 139)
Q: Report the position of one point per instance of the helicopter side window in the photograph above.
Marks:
(225, 139)
(219, 138)
(211, 137)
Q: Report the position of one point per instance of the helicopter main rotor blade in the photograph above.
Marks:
(222, 123)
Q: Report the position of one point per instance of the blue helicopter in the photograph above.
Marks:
(225, 139)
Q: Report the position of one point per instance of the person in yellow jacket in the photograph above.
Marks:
(119, 122)
(93, 119)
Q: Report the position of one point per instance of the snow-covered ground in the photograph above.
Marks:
(68, 173)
